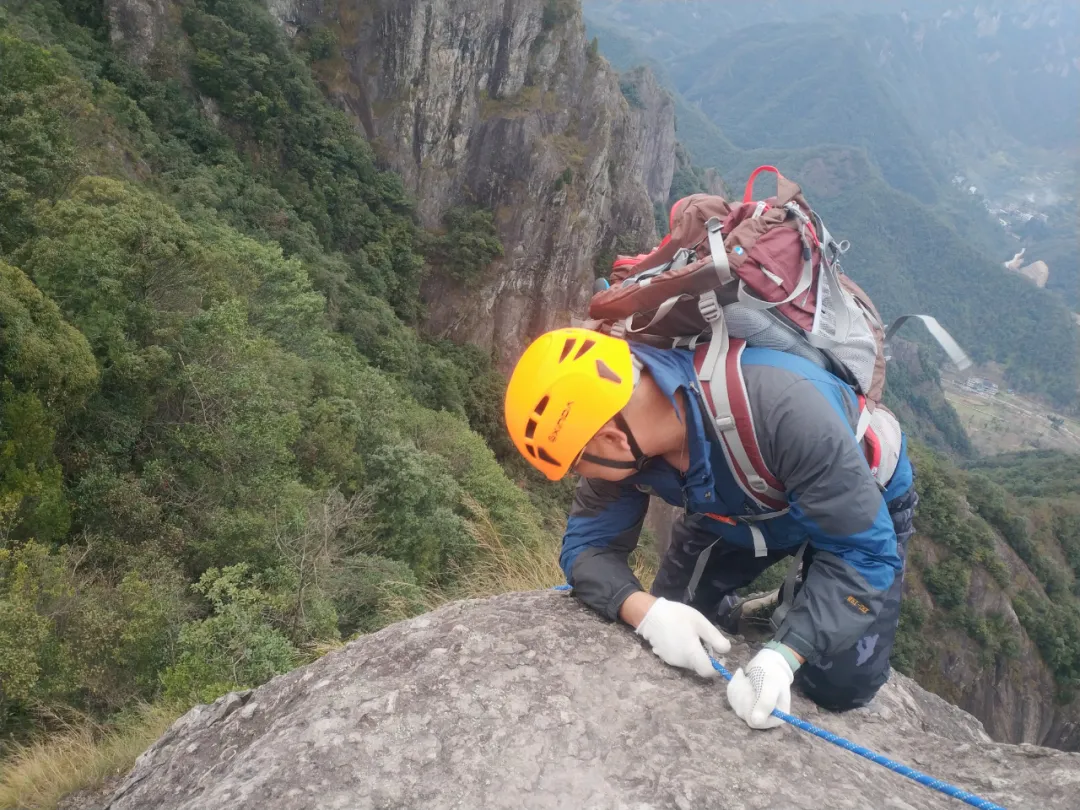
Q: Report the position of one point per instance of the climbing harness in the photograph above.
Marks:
(866, 753)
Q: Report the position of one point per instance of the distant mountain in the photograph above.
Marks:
(753, 91)
(966, 87)
(1026, 86)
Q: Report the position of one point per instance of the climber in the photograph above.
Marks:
(629, 420)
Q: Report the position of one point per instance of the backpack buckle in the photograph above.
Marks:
(682, 257)
(798, 213)
(709, 307)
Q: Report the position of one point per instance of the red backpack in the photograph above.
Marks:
(759, 273)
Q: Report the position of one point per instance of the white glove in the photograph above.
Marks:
(676, 631)
(766, 685)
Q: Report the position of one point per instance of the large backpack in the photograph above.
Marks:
(758, 273)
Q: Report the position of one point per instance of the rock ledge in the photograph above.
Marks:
(531, 701)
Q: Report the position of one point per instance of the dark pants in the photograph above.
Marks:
(844, 680)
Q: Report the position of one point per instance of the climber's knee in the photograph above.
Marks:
(839, 690)
(851, 678)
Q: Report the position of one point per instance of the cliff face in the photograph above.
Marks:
(136, 26)
(1015, 698)
(532, 701)
(1037, 272)
(653, 112)
(502, 104)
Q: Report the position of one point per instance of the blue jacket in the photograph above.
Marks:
(805, 420)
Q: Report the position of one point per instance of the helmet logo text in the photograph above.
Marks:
(554, 435)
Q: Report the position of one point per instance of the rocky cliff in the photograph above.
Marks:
(137, 26)
(1015, 699)
(1038, 273)
(653, 112)
(501, 104)
(1014, 696)
(531, 701)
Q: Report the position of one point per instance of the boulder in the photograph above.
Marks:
(532, 701)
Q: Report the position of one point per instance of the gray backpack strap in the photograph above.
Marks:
(719, 372)
(788, 589)
(760, 549)
(751, 521)
(718, 251)
(937, 331)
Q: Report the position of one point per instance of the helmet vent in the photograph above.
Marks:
(546, 456)
(605, 372)
(585, 346)
(539, 410)
(532, 452)
(530, 429)
(567, 348)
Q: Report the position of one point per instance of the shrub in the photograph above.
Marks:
(948, 582)
(235, 647)
(469, 245)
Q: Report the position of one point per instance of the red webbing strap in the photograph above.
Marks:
(739, 403)
(748, 195)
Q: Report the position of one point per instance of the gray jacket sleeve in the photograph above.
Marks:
(808, 442)
(603, 528)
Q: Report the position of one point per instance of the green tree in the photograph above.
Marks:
(38, 154)
(46, 372)
(469, 245)
(208, 372)
(236, 646)
(948, 582)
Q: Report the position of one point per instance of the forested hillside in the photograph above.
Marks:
(221, 443)
(991, 559)
(919, 54)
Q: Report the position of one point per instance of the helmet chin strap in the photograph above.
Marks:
(640, 459)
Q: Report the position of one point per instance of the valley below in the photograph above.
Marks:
(1005, 422)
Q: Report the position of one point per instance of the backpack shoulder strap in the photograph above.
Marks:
(719, 370)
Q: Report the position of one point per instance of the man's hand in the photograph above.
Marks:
(766, 685)
(675, 631)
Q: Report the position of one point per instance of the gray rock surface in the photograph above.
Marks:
(531, 701)
(137, 26)
(653, 111)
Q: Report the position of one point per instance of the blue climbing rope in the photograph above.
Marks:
(866, 753)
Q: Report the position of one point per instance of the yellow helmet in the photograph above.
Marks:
(565, 387)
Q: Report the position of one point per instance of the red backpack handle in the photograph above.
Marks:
(748, 195)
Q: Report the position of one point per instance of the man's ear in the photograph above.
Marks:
(611, 437)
